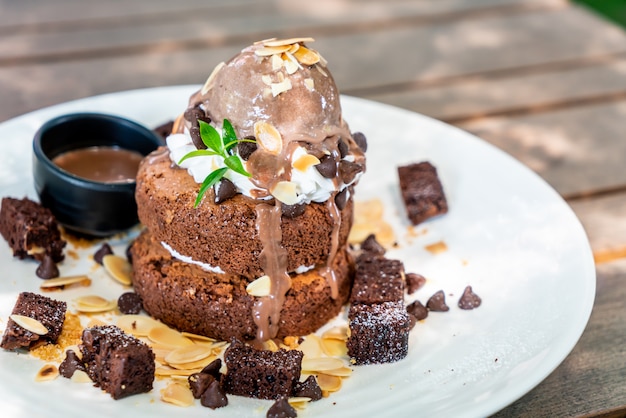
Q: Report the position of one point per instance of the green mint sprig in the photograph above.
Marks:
(222, 146)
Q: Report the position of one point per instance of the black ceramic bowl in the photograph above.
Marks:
(85, 206)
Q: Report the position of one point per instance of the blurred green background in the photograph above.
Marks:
(614, 10)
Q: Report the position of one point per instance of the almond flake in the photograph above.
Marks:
(324, 73)
(194, 365)
(177, 394)
(118, 268)
(288, 41)
(299, 402)
(267, 51)
(293, 48)
(207, 84)
(268, 137)
(168, 371)
(86, 308)
(65, 281)
(167, 337)
(92, 300)
(309, 84)
(334, 348)
(188, 354)
(29, 324)
(260, 287)
(320, 364)
(305, 162)
(306, 56)
(198, 337)
(80, 376)
(286, 192)
(47, 372)
(290, 66)
(340, 372)
(328, 383)
(266, 79)
(277, 62)
(137, 325)
(311, 346)
(336, 333)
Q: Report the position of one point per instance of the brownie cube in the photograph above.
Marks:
(50, 312)
(378, 279)
(379, 333)
(422, 191)
(260, 374)
(30, 230)
(118, 363)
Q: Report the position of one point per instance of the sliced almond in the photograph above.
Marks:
(291, 65)
(29, 324)
(169, 371)
(283, 86)
(340, 372)
(299, 402)
(167, 337)
(209, 81)
(118, 268)
(266, 51)
(286, 192)
(94, 322)
(65, 281)
(92, 300)
(306, 56)
(268, 137)
(80, 376)
(320, 364)
(137, 325)
(277, 62)
(198, 337)
(194, 365)
(260, 287)
(177, 394)
(94, 304)
(334, 348)
(328, 383)
(336, 333)
(287, 41)
(311, 346)
(266, 79)
(188, 354)
(321, 70)
(293, 48)
(76, 351)
(305, 162)
(46, 373)
(309, 84)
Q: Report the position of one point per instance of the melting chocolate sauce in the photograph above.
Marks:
(103, 164)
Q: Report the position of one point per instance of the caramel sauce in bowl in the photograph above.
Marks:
(84, 167)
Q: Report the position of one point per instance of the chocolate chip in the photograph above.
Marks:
(437, 302)
(327, 166)
(199, 383)
(47, 268)
(129, 303)
(360, 140)
(214, 396)
(348, 171)
(165, 129)
(245, 149)
(224, 190)
(193, 114)
(418, 310)
(371, 246)
(342, 147)
(194, 131)
(469, 299)
(308, 389)
(213, 368)
(281, 409)
(341, 199)
(414, 282)
(70, 364)
(293, 211)
(105, 249)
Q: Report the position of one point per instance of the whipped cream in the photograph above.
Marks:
(190, 260)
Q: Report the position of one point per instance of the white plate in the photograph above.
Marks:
(509, 235)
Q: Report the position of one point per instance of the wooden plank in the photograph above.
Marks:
(603, 219)
(32, 15)
(591, 379)
(515, 92)
(204, 27)
(576, 150)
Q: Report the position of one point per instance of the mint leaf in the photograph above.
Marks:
(208, 182)
(197, 153)
(234, 163)
(211, 137)
(228, 135)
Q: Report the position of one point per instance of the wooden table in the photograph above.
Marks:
(542, 79)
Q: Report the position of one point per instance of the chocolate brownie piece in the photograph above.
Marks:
(422, 191)
(118, 363)
(378, 279)
(260, 374)
(50, 312)
(30, 229)
(379, 333)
